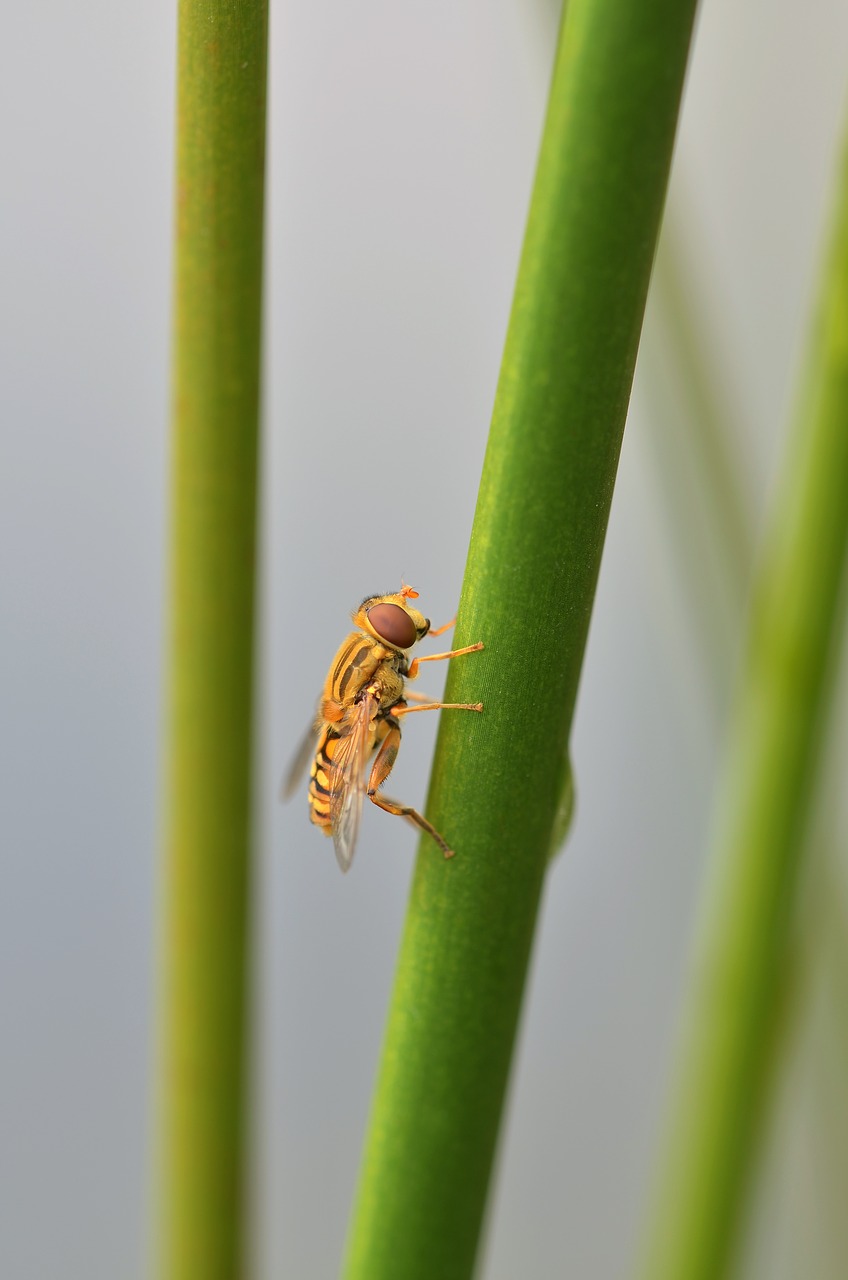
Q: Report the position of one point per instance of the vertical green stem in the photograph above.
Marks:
(710, 438)
(763, 816)
(218, 270)
(529, 585)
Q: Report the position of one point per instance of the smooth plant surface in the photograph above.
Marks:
(498, 783)
(203, 979)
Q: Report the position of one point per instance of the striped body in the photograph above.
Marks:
(361, 663)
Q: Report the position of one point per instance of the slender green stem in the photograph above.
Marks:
(218, 266)
(529, 586)
(695, 436)
(815, 951)
(765, 802)
(711, 436)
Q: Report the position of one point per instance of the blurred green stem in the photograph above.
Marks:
(696, 443)
(530, 580)
(217, 303)
(778, 729)
(719, 467)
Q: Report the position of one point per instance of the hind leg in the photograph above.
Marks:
(381, 769)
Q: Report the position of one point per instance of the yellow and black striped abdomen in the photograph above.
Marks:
(319, 778)
(322, 770)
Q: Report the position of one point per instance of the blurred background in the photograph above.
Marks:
(401, 150)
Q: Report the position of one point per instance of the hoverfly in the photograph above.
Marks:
(359, 713)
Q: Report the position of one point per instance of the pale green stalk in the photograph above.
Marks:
(217, 304)
(765, 802)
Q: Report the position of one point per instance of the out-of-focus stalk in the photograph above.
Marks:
(217, 305)
(778, 729)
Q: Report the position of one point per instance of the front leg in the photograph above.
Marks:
(437, 706)
(439, 657)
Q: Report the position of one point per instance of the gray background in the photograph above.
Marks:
(401, 149)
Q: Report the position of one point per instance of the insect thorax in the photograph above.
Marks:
(362, 661)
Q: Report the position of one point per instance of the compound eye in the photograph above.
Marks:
(393, 625)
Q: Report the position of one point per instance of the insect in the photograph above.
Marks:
(359, 714)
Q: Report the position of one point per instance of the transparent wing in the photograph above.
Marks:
(299, 763)
(348, 786)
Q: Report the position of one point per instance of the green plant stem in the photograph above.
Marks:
(217, 305)
(711, 437)
(696, 442)
(529, 585)
(778, 730)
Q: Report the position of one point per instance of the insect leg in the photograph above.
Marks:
(436, 706)
(438, 657)
(381, 769)
(440, 631)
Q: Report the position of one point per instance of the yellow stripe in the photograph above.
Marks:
(353, 665)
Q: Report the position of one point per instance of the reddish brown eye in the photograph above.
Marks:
(393, 625)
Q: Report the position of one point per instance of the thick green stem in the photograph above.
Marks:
(218, 267)
(763, 817)
(529, 585)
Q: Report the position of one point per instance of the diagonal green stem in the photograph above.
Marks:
(763, 816)
(218, 268)
(529, 585)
